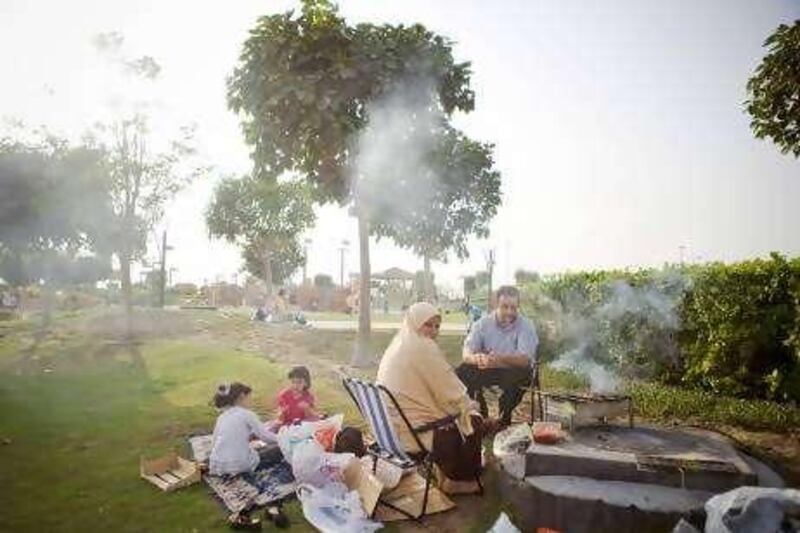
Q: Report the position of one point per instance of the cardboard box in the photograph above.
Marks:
(358, 478)
(169, 472)
(408, 495)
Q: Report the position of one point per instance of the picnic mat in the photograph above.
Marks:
(264, 486)
(408, 496)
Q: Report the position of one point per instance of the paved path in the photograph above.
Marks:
(352, 325)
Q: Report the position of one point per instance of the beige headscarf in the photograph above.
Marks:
(415, 370)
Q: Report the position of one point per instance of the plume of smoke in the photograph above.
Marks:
(628, 334)
(601, 378)
(391, 176)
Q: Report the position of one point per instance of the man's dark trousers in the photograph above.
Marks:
(511, 380)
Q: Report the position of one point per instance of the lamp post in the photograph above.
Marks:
(342, 251)
(163, 274)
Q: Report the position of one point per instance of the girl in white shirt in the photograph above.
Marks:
(231, 452)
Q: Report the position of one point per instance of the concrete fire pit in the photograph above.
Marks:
(690, 459)
(614, 478)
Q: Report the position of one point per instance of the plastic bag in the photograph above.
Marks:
(503, 525)
(752, 509)
(335, 509)
(514, 440)
(312, 465)
(290, 436)
(326, 436)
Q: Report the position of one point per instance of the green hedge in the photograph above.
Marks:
(661, 402)
(737, 330)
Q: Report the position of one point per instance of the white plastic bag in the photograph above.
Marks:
(311, 464)
(290, 436)
(335, 509)
(503, 525)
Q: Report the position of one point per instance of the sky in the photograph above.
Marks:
(618, 125)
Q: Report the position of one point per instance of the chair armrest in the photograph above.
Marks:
(430, 426)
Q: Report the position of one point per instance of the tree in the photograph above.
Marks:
(142, 181)
(774, 91)
(265, 217)
(283, 262)
(464, 193)
(303, 87)
(55, 210)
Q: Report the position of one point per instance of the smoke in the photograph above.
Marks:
(630, 333)
(392, 176)
(601, 378)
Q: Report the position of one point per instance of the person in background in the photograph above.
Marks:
(427, 390)
(280, 306)
(296, 402)
(236, 426)
(500, 350)
(473, 313)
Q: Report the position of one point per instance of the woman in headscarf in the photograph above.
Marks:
(415, 371)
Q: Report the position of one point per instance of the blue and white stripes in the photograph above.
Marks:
(373, 408)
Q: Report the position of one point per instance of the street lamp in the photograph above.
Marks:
(342, 251)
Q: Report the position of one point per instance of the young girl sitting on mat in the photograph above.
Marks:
(295, 402)
(237, 425)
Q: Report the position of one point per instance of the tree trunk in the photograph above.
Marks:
(363, 351)
(427, 284)
(267, 272)
(127, 294)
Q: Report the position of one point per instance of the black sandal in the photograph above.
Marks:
(242, 521)
(275, 514)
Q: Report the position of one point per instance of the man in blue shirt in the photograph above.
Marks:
(500, 350)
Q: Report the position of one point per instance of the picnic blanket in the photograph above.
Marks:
(262, 487)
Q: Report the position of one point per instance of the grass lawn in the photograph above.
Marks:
(77, 409)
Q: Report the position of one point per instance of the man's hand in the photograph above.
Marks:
(489, 360)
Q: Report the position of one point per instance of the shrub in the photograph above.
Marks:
(737, 333)
(740, 324)
(660, 402)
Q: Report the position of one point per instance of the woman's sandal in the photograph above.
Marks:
(275, 514)
(242, 521)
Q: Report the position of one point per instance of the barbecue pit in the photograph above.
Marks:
(576, 410)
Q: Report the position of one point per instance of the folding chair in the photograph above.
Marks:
(536, 393)
(369, 398)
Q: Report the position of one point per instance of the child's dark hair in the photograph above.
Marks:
(350, 440)
(228, 393)
(301, 372)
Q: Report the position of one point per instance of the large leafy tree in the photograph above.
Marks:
(55, 211)
(303, 89)
(265, 217)
(774, 91)
(457, 200)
